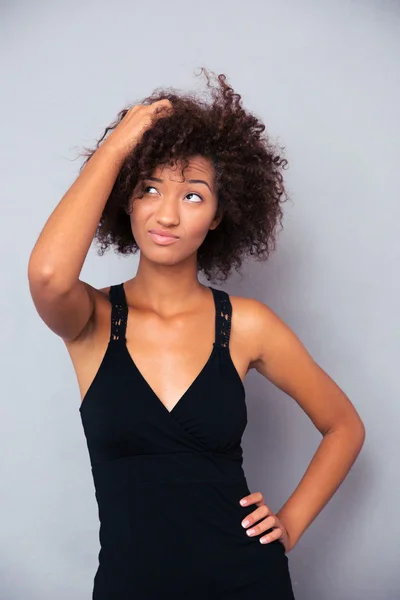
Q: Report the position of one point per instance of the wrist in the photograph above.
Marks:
(120, 145)
(114, 151)
(292, 534)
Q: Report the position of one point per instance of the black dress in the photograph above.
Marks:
(168, 483)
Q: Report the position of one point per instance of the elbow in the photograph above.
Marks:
(42, 277)
(357, 435)
(39, 274)
(361, 432)
(38, 269)
(352, 428)
(357, 428)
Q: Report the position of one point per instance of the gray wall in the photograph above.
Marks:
(323, 77)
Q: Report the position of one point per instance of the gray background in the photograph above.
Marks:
(324, 78)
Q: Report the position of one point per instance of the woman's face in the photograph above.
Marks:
(177, 207)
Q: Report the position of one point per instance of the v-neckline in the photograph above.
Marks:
(185, 393)
(142, 377)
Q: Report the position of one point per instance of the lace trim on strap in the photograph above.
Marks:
(119, 314)
(223, 318)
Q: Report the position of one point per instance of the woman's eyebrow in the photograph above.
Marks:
(188, 180)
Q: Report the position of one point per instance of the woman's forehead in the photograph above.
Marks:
(196, 165)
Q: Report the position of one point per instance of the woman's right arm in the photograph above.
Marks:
(63, 301)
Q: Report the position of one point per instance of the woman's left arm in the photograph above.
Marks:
(283, 360)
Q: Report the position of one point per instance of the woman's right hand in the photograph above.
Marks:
(132, 126)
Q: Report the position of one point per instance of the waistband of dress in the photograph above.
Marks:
(196, 466)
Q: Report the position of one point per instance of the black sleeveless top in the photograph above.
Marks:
(168, 482)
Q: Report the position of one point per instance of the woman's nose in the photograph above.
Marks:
(168, 211)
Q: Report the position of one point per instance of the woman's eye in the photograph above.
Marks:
(193, 194)
(149, 187)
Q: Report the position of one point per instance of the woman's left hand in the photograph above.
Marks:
(269, 521)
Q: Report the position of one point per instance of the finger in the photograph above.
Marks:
(256, 515)
(265, 524)
(252, 499)
(276, 534)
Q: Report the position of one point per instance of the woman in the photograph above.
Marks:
(160, 359)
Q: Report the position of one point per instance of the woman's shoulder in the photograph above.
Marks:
(254, 316)
(259, 326)
(249, 307)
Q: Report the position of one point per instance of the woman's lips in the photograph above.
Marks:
(163, 240)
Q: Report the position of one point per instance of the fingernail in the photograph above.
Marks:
(245, 523)
(243, 502)
(250, 531)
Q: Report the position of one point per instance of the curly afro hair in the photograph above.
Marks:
(248, 177)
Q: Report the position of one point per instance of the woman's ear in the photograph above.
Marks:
(128, 207)
(217, 220)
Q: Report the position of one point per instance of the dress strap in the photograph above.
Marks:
(119, 313)
(223, 316)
